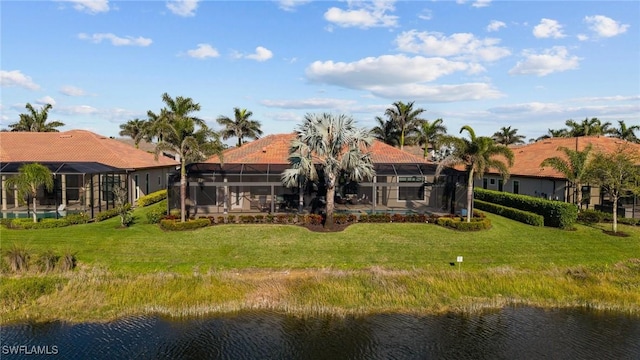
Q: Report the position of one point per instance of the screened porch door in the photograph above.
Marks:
(235, 197)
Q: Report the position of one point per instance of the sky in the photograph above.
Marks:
(530, 65)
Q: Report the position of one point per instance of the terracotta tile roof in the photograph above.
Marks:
(527, 158)
(274, 149)
(75, 146)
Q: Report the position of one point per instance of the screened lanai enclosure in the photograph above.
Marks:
(254, 188)
(78, 187)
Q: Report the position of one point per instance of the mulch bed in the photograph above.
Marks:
(618, 234)
(321, 228)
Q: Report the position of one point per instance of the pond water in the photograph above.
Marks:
(511, 333)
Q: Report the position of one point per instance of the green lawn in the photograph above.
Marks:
(366, 268)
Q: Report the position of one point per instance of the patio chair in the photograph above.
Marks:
(263, 204)
(61, 210)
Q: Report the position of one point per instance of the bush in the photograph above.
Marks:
(313, 219)
(41, 224)
(173, 225)
(590, 217)
(457, 223)
(67, 262)
(47, 261)
(18, 258)
(231, 219)
(416, 218)
(108, 214)
(78, 218)
(379, 218)
(511, 213)
(247, 219)
(156, 212)
(556, 213)
(152, 198)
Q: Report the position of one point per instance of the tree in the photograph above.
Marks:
(405, 117)
(135, 129)
(36, 120)
(573, 167)
(554, 133)
(386, 131)
(186, 136)
(617, 174)
(339, 147)
(429, 134)
(508, 136)
(30, 177)
(588, 127)
(625, 132)
(240, 126)
(477, 154)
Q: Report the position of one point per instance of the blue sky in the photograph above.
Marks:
(527, 64)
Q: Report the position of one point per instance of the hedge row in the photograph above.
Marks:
(108, 214)
(589, 216)
(157, 211)
(27, 223)
(167, 224)
(461, 224)
(152, 198)
(556, 213)
(511, 213)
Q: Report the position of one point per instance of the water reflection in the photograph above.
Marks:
(513, 333)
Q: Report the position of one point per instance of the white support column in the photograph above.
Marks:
(226, 197)
(374, 196)
(4, 192)
(63, 185)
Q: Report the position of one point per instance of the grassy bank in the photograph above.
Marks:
(366, 268)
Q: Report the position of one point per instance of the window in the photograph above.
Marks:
(415, 192)
(516, 187)
(109, 182)
(484, 183)
(493, 181)
(146, 189)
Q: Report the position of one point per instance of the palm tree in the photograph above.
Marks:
(338, 145)
(135, 129)
(508, 136)
(240, 126)
(477, 154)
(386, 131)
(588, 127)
(429, 134)
(625, 132)
(186, 136)
(405, 117)
(30, 177)
(36, 120)
(573, 166)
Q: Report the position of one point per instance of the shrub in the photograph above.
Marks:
(511, 213)
(77, 218)
(247, 219)
(231, 219)
(173, 225)
(269, 218)
(152, 198)
(108, 214)
(416, 218)
(41, 224)
(590, 217)
(156, 212)
(457, 223)
(67, 261)
(282, 218)
(379, 218)
(18, 258)
(340, 219)
(220, 219)
(313, 219)
(259, 218)
(398, 218)
(47, 261)
(556, 213)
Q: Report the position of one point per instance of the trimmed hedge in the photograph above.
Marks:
(556, 213)
(511, 213)
(108, 214)
(156, 212)
(173, 225)
(460, 224)
(152, 198)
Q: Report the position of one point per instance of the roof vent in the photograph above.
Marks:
(264, 149)
(65, 136)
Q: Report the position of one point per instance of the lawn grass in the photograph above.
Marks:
(367, 267)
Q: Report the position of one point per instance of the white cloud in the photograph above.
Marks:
(16, 78)
(384, 70)
(548, 28)
(439, 93)
(261, 54)
(72, 91)
(116, 40)
(495, 25)
(183, 8)
(311, 103)
(90, 6)
(481, 3)
(46, 100)
(291, 5)
(203, 51)
(77, 110)
(425, 14)
(582, 37)
(363, 15)
(605, 26)
(549, 61)
(463, 45)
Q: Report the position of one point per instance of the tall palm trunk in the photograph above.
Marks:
(183, 190)
(331, 192)
(470, 195)
(35, 214)
(615, 213)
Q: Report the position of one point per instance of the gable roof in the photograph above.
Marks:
(527, 158)
(274, 149)
(75, 146)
